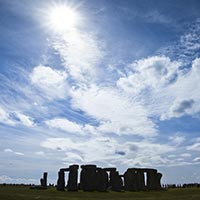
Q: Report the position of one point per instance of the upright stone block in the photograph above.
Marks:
(158, 181)
(61, 180)
(43, 181)
(115, 181)
(151, 179)
(72, 184)
(130, 180)
(101, 180)
(140, 180)
(88, 178)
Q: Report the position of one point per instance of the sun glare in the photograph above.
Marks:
(62, 18)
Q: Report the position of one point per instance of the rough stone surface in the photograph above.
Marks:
(88, 178)
(93, 178)
(72, 184)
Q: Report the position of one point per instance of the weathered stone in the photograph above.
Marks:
(93, 178)
(43, 181)
(61, 180)
(72, 184)
(140, 180)
(88, 178)
(158, 181)
(151, 179)
(101, 180)
(115, 181)
(130, 180)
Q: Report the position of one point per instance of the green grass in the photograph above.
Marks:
(24, 193)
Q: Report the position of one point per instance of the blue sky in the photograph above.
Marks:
(118, 86)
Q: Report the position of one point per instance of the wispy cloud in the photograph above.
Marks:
(115, 112)
(8, 179)
(50, 81)
(14, 152)
(187, 47)
(65, 125)
(5, 117)
(80, 53)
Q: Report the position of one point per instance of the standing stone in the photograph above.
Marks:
(130, 180)
(88, 178)
(43, 181)
(61, 180)
(140, 180)
(151, 179)
(116, 182)
(158, 181)
(72, 184)
(101, 180)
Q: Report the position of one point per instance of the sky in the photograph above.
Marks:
(110, 82)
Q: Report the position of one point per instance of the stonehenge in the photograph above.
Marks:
(43, 181)
(93, 178)
(134, 179)
(72, 184)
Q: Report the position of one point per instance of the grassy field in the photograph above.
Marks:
(24, 193)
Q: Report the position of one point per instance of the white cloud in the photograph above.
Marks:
(8, 179)
(25, 120)
(187, 47)
(65, 125)
(186, 155)
(13, 152)
(8, 150)
(197, 159)
(19, 153)
(5, 179)
(153, 72)
(51, 82)
(104, 150)
(172, 156)
(68, 126)
(71, 157)
(5, 117)
(115, 112)
(80, 52)
(40, 153)
(161, 86)
(179, 108)
(194, 147)
(187, 83)
(15, 118)
(177, 139)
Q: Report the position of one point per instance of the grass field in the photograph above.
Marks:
(24, 193)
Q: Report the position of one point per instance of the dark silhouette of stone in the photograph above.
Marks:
(101, 180)
(72, 184)
(134, 179)
(158, 181)
(43, 181)
(88, 179)
(152, 179)
(115, 181)
(140, 180)
(130, 180)
(61, 180)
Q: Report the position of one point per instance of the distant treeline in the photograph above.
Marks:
(185, 185)
(164, 186)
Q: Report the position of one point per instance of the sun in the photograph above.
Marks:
(62, 18)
